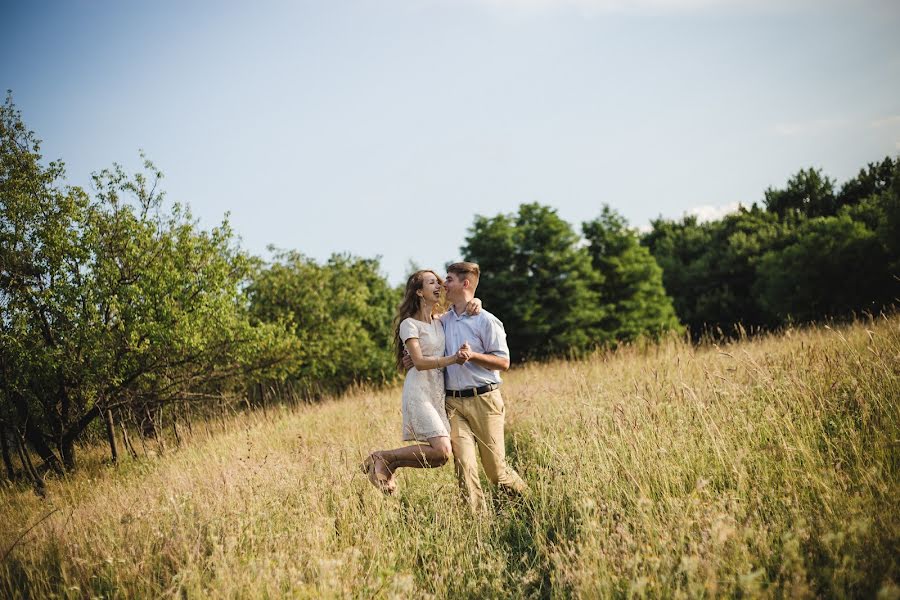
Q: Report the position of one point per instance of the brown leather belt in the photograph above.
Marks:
(473, 391)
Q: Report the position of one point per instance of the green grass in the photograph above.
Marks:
(760, 468)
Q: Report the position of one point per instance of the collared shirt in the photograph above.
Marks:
(485, 335)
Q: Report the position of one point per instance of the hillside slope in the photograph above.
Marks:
(764, 467)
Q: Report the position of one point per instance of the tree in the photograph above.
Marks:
(810, 254)
(835, 265)
(537, 280)
(111, 302)
(339, 314)
(888, 228)
(840, 264)
(874, 180)
(630, 285)
(808, 193)
(710, 268)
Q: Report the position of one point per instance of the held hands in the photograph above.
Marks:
(463, 354)
(461, 357)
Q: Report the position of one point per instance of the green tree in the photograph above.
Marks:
(839, 264)
(710, 268)
(834, 266)
(340, 315)
(874, 180)
(537, 280)
(888, 227)
(630, 285)
(111, 302)
(811, 254)
(808, 193)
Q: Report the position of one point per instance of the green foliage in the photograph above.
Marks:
(709, 268)
(112, 301)
(556, 296)
(834, 266)
(537, 280)
(340, 316)
(874, 180)
(809, 255)
(630, 285)
(808, 193)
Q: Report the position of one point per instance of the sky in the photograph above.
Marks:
(381, 128)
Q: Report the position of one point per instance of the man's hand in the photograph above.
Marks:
(463, 354)
(473, 306)
(407, 361)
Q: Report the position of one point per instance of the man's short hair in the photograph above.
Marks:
(466, 270)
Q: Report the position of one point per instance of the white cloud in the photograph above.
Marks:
(704, 214)
(602, 7)
(818, 126)
(708, 212)
(808, 127)
(891, 121)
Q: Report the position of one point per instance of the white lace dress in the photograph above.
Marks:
(424, 413)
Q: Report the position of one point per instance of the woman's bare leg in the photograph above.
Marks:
(434, 454)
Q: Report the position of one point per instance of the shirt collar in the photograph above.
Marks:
(458, 316)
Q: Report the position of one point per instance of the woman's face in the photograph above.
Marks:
(431, 288)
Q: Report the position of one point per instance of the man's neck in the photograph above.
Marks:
(460, 307)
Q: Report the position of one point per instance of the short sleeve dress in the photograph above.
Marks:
(424, 413)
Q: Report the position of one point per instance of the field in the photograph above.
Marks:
(761, 468)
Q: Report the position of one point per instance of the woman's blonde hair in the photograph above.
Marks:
(410, 306)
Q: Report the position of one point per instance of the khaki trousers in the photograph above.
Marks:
(476, 423)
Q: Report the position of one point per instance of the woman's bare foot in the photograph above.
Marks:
(375, 468)
(383, 473)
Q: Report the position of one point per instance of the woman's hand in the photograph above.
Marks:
(473, 306)
(463, 354)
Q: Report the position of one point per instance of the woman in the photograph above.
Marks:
(418, 330)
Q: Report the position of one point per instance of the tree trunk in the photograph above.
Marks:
(67, 446)
(152, 420)
(39, 488)
(111, 435)
(37, 441)
(262, 399)
(140, 428)
(67, 449)
(7, 458)
(148, 425)
(175, 429)
(188, 417)
(34, 436)
(126, 441)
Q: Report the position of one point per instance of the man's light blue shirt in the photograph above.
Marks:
(485, 335)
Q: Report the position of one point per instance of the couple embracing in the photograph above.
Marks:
(451, 398)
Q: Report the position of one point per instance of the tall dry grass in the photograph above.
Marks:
(760, 468)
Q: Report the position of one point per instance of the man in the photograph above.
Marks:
(474, 404)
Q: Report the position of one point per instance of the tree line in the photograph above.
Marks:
(122, 317)
(810, 251)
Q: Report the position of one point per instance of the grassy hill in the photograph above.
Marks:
(762, 468)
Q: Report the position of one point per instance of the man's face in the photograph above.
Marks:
(454, 284)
